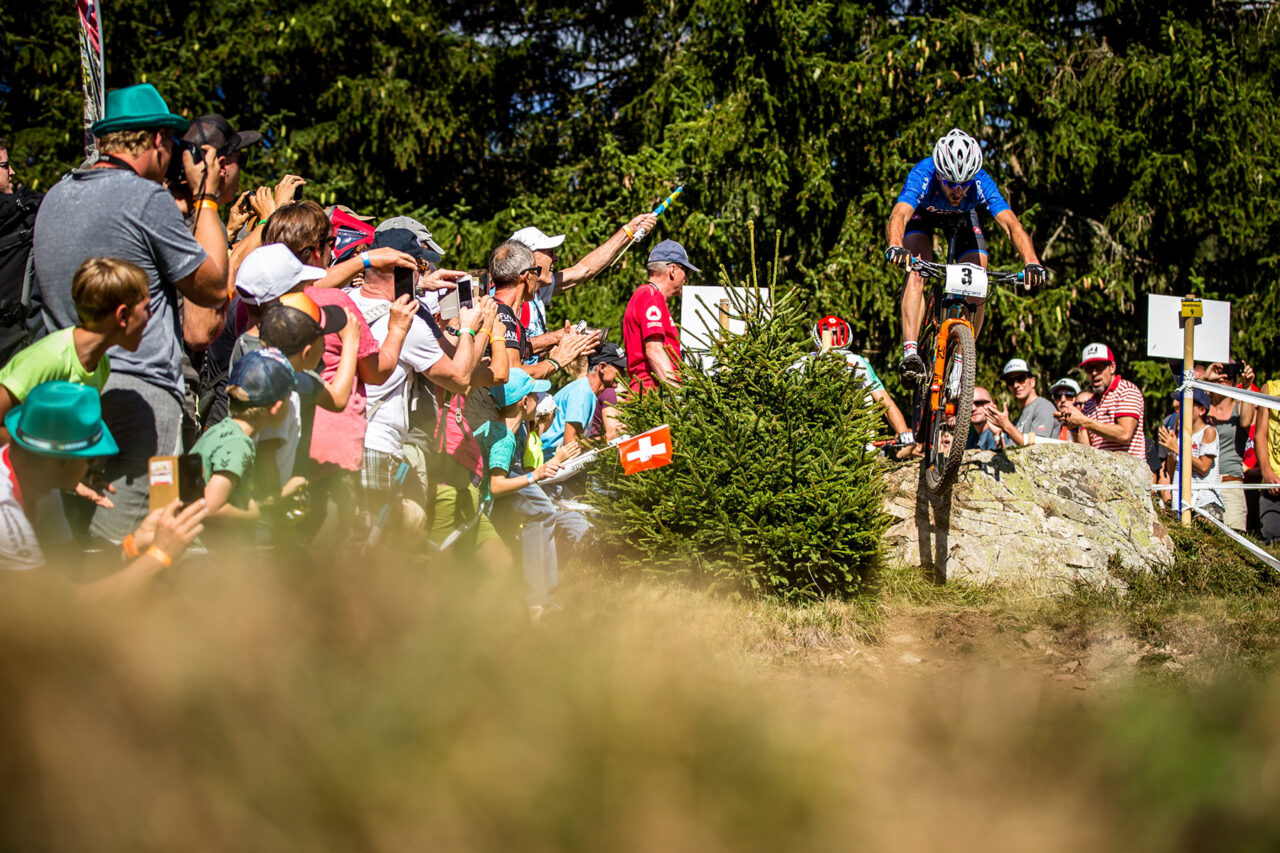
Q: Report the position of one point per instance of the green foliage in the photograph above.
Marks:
(772, 489)
(1136, 140)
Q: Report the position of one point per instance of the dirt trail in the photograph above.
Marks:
(918, 642)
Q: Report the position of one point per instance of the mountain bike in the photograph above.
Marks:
(942, 405)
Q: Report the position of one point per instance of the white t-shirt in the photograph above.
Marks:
(19, 547)
(1199, 448)
(390, 422)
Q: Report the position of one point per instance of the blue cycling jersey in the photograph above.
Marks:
(923, 192)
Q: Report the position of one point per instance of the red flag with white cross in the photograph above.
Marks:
(647, 450)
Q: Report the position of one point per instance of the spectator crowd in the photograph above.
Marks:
(323, 377)
(312, 375)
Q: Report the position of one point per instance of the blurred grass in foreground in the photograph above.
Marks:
(294, 705)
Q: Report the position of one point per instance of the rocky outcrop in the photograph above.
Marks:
(1043, 515)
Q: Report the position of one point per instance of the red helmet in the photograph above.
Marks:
(839, 331)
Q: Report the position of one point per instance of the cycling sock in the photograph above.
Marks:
(910, 348)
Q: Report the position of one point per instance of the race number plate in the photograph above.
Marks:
(967, 280)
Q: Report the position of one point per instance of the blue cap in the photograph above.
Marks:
(1199, 397)
(519, 385)
(265, 375)
(671, 252)
(63, 420)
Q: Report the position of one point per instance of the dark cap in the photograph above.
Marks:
(400, 239)
(264, 375)
(608, 354)
(215, 130)
(671, 252)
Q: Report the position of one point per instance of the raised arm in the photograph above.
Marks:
(599, 258)
(207, 286)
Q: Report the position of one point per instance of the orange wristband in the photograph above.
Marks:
(130, 547)
(159, 556)
(205, 202)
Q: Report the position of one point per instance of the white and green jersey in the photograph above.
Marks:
(856, 363)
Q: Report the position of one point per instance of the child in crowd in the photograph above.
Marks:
(258, 388)
(297, 326)
(517, 404)
(268, 272)
(518, 500)
(543, 415)
(1204, 455)
(113, 303)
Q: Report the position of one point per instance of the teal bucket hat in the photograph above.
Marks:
(137, 108)
(61, 419)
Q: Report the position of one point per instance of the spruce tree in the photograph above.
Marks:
(772, 489)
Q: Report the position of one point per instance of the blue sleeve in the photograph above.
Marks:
(916, 186)
(580, 406)
(988, 196)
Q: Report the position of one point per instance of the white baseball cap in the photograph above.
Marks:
(1097, 352)
(1016, 365)
(1070, 384)
(536, 240)
(271, 271)
(546, 406)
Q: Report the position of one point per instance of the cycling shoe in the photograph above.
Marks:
(911, 370)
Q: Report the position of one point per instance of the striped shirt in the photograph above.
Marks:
(1121, 399)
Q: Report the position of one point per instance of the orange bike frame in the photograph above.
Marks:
(940, 358)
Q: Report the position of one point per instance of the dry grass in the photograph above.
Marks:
(278, 706)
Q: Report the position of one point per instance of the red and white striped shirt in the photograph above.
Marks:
(1121, 399)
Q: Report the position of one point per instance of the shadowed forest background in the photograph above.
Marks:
(1137, 140)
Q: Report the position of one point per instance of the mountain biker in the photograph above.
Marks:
(840, 336)
(944, 192)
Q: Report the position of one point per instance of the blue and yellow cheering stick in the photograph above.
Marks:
(640, 232)
(658, 211)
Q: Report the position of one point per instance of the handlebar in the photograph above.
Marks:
(931, 269)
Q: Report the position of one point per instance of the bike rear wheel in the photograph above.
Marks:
(943, 456)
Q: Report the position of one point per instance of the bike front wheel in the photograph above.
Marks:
(949, 430)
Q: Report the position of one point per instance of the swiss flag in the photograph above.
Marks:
(647, 450)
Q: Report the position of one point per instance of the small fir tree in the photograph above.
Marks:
(772, 488)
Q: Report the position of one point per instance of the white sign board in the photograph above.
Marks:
(705, 312)
(1164, 329)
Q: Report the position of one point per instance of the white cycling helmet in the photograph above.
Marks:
(957, 157)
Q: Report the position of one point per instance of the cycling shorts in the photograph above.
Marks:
(961, 230)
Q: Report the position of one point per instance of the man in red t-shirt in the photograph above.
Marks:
(648, 332)
(1113, 419)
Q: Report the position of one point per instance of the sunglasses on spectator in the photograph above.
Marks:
(955, 185)
(1063, 395)
(533, 269)
(986, 402)
(5, 166)
(1014, 380)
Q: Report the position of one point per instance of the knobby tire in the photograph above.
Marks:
(940, 471)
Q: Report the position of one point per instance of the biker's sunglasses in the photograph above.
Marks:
(955, 185)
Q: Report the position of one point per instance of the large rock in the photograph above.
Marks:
(1043, 514)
